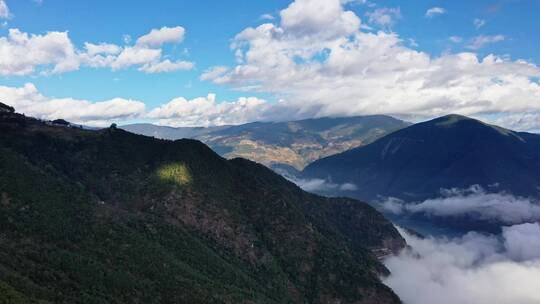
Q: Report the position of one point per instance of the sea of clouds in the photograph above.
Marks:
(474, 202)
(475, 268)
(319, 185)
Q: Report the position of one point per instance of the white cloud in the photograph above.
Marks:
(434, 11)
(326, 19)
(214, 73)
(344, 70)
(135, 56)
(206, 111)
(522, 242)
(180, 112)
(28, 100)
(478, 23)
(166, 66)
(24, 54)
(362, 2)
(157, 37)
(474, 203)
(526, 121)
(473, 269)
(317, 185)
(479, 42)
(102, 48)
(4, 10)
(146, 53)
(266, 17)
(385, 17)
(455, 39)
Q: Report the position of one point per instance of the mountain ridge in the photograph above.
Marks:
(291, 143)
(110, 216)
(452, 151)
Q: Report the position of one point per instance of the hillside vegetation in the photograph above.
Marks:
(112, 217)
(453, 151)
(293, 143)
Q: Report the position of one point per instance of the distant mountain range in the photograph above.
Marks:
(294, 144)
(107, 216)
(453, 151)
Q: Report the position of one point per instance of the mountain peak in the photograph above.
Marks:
(452, 151)
(451, 120)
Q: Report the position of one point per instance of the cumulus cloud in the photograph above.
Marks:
(28, 100)
(385, 17)
(434, 11)
(167, 66)
(146, 53)
(266, 17)
(158, 37)
(206, 111)
(475, 268)
(326, 65)
(135, 56)
(522, 242)
(214, 73)
(475, 203)
(326, 19)
(23, 54)
(180, 112)
(102, 48)
(481, 41)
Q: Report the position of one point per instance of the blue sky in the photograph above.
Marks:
(507, 29)
(210, 25)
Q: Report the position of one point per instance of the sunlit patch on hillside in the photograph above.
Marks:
(176, 173)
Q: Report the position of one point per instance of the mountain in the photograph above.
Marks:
(294, 143)
(170, 133)
(107, 216)
(453, 151)
(6, 109)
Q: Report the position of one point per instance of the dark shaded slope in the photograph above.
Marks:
(452, 151)
(112, 217)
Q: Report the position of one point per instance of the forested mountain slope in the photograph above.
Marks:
(112, 217)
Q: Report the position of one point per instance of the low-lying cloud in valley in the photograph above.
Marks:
(319, 184)
(474, 202)
(475, 268)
